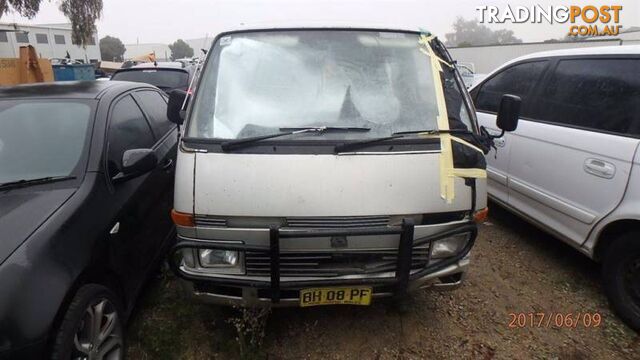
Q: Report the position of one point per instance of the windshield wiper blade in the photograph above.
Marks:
(36, 181)
(329, 128)
(434, 132)
(240, 143)
(364, 143)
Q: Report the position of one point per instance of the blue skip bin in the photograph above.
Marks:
(73, 72)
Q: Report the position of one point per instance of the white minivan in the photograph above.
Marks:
(573, 165)
(327, 165)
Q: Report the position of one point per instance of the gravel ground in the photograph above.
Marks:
(515, 269)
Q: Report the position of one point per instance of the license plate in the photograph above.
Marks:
(359, 295)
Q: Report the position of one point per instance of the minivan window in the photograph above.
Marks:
(516, 80)
(155, 106)
(128, 129)
(598, 94)
(41, 138)
(258, 82)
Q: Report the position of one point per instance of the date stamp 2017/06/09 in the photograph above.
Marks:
(558, 320)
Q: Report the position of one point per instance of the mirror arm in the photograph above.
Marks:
(121, 177)
(496, 136)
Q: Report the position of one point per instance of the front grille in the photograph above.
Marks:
(330, 264)
(337, 222)
(209, 221)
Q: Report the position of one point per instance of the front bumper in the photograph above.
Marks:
(449, 278)
(275, 290)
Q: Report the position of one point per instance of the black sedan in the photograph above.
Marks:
(86, 183)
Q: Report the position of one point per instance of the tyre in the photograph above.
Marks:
(621, 278)
(91, 327)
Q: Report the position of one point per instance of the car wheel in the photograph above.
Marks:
(621, 275)
(91, 328)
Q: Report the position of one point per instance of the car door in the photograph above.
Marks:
(519, 79)
(135, 199)
(154, 106)
(571, 159)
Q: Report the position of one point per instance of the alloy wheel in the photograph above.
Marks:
(99, 333)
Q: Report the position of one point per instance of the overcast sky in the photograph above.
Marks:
(164, 21)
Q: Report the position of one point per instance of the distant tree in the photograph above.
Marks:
(471, 33)
(180, 49)
(112, 49)
(82, 14)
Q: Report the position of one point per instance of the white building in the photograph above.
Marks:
(49, 40)
(162, 51)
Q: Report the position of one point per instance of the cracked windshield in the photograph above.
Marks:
(265, 81)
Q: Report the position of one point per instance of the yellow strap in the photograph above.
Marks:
(447, 171)
(470, 173)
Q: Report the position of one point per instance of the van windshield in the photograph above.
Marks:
(258, 82)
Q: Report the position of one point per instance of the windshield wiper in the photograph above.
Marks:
(364, 143)
(434, 132)
(241, 143)
(396, 135)
(37, 181)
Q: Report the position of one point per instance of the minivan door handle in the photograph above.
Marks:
(599, 168)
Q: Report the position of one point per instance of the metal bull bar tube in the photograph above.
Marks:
(400, 281)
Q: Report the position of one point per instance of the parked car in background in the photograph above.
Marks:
(573, 165)
(165, 78)
(86, 174)
(165, 64)
(310, 170)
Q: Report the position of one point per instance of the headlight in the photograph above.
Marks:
(210, 261)
(218, 258)
(449, 246)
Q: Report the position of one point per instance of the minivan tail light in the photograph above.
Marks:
(182, 219)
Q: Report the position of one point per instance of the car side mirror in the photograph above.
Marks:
(177, 99)
(138, 161)
(509, 112)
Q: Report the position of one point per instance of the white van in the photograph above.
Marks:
(573, 165)
(327, 166)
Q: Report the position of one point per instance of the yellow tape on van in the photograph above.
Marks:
(447, 171)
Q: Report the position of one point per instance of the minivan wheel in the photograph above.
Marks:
(621, 275)
(91, 328)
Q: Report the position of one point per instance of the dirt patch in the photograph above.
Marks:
(515, 269)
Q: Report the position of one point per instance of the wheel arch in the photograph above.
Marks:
(91, 275)
(612, 231)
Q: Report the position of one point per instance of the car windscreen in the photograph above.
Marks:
(258, 82)
(42, 138)
(164, 79)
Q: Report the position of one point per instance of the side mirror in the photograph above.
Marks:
(175, 113)
(509, 112)
(138, 161)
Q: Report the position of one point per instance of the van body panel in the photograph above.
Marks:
(183, 198)
(322, 185)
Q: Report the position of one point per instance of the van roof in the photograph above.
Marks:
(320, 24)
